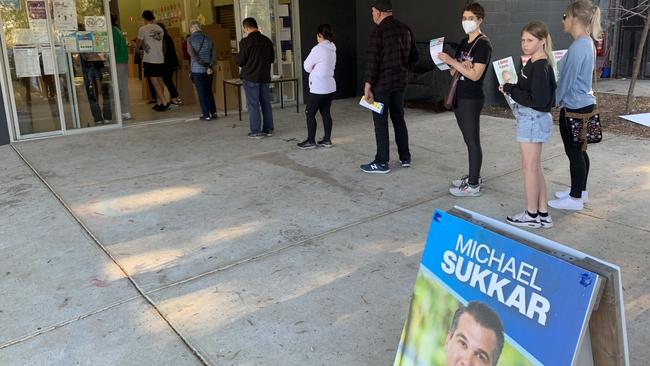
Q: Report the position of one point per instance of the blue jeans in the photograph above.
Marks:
(203, 83)
(92, 75)
(259, 94)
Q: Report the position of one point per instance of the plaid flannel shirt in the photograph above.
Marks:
(389, 56)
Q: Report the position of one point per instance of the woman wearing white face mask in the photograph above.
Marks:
(472, 57)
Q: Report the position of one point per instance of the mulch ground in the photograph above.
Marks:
(611, 106)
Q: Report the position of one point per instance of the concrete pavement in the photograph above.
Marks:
(256, 253)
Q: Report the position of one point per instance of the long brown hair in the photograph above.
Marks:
(540, 31)
(588, 14)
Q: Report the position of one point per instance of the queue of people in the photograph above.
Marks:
(391, 54)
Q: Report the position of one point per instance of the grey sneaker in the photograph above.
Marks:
(465, 190)
(546, 222)
(324, 143)
(306, 145)
(257, 136)
(523, 219)
(464, 180)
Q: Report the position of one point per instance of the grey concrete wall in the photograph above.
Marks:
(503, 23)
(341, 15)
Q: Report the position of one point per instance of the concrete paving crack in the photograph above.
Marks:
(63, 324)
(193, 349)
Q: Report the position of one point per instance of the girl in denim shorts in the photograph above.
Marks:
(531, 100)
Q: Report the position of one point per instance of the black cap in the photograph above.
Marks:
(382, 5)
(148, 15)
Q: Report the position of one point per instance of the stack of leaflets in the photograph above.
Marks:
(505, 70)
(435, 48)
(374, 106)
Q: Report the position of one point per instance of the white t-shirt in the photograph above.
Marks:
(152, 36)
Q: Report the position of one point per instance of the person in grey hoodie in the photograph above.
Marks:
(574, 94)
(320, 65)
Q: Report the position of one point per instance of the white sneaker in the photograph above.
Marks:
(463, 180)
(567, 203)
(566, 192)
(126, 116)
(465, 191)
(523, 219)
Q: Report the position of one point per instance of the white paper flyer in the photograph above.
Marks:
(374, 106)
(435, 48)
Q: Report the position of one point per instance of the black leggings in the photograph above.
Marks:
(468, 116)
(322, 103)
(578, 159)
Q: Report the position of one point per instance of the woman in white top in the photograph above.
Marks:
(320, 65)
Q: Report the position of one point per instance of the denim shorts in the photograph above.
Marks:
(532, 125)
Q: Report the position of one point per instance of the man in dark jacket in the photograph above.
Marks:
(390, 53)
(255, 58)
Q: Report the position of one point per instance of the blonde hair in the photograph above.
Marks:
(540, 31)
(588, 14)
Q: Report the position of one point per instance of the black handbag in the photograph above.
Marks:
(450, 98)
(585, 128)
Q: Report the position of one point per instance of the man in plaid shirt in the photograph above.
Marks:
(390, 53)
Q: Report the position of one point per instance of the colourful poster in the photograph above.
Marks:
(100, 41)
(37, 16)
(85, 42)
(481, 298)
(14, 4)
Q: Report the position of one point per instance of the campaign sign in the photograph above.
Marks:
(485, 297)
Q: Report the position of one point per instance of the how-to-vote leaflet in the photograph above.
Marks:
(505, 70)
(557, 56)
(541, 302)
(376, 107)
(435, 47)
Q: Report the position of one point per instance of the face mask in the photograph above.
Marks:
(469, 26)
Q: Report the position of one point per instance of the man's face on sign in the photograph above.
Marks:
(471, 344)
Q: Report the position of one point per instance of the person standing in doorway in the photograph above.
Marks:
(320, 65)
(255, 57)
(150, 39)
(391, 52)
(171, 65)
(575, 95)
(471, 61)
(203, 55)
(122, 64)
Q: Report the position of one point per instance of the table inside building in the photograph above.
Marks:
(239, 83)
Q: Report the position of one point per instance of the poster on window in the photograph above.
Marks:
(65, 15)
(95, 24)
(85, 42)
(14, 4)
(48, 60)
(70, 43)
(27, 62)
(482, 298)
(100, 41)
(37, 17)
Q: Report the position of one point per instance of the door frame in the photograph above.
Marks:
(6, 83)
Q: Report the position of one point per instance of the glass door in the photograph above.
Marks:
(34, 77)
(58, 66)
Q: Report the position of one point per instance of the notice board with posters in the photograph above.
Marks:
(490, 294)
